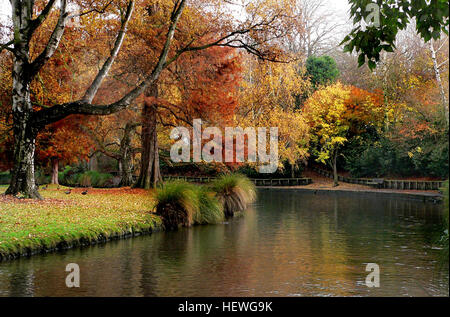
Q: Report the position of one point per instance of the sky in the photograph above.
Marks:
(339, 7)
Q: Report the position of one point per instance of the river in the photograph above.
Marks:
(289, 243)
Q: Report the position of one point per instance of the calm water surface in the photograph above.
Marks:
(288, 244)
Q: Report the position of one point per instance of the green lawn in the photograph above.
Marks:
(32, 225)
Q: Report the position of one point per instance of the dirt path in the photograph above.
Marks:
(324, 183)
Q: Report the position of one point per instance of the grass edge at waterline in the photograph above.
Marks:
(62, 221)
(176, 202)
(210, 209)
(180, 203)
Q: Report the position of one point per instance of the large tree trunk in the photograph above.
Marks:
(22, 178)
(335, 173)
(126, 176)
(55, 170)
(150, 174)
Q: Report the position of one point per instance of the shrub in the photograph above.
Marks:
(5, 178)
(177, 204)
(97, 179)
(210, 210)
(87, 179)
(251, 171)
(235, 192)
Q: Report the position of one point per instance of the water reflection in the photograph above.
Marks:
(288, 244)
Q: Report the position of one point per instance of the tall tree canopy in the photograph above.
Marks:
(263, 23)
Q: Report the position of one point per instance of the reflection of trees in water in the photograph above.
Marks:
(343, 232)
(21, 282)
(293, 243)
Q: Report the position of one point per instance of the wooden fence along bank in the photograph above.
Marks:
(386, 183)
(256, 181)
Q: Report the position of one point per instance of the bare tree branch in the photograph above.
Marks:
(35, 23)
(58, 112)
(52, 43)
(92, 90)
(6, 46)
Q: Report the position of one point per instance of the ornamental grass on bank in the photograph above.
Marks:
(235, 192)
(179, 203)
(210, 210)
(176, 203)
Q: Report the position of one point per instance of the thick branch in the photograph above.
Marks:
(58, 112)
(34, 24)
(92, 90)
(6, 46)
(52, 43)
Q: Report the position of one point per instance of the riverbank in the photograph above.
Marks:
(323, 184)
(64, 221)
(431, 196)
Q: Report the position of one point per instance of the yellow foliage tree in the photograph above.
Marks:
(335, 114)
(268, 99)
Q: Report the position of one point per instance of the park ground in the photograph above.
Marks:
(29, 226)
(64, 220)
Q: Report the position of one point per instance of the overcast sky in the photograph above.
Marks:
(339, 7)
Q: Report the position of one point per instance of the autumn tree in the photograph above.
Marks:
(268, 99)
(337, 113)
(116, 136)
(27, 17)
(63, 141)
(265, 23)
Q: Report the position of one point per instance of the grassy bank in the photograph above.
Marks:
(68, 220)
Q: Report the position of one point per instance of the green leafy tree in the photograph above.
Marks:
(321, 70)
(377, 23)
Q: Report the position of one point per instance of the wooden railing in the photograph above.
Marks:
(256, 181)
(386, 183)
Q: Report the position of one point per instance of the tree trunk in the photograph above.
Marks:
(93, 162)
(437, 74)
(335, 173)
(55, 170)
(126, 156)
(292, 170)
(126, 177)
(150, 174)
(22, 178)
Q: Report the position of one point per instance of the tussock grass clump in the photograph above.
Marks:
(234, 192)
(177, 204)
(210, 209)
